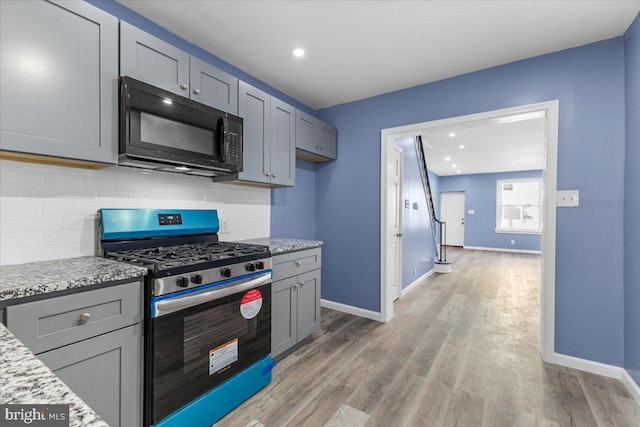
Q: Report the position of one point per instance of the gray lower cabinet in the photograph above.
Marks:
(268, 138)
(295, 311)
(59, 77)
(158, 63)
(93, 341)
(315, 139)
(104, 371)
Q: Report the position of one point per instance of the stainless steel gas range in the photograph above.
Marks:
(207, 312)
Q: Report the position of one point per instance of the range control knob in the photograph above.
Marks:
(225, 272)
(197, 279)
(183, 282)
(250, 266)
(260, 265)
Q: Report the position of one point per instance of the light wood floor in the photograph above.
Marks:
(461, 351)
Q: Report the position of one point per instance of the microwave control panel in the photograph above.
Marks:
(232, 149)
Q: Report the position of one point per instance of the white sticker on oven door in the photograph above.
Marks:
(251, 304)
(223, 356)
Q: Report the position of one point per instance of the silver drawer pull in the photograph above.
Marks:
(184, 86)
(301, 284)
(298, 263)
(84, 317)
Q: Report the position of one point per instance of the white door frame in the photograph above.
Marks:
(443, 193)
(548, 286)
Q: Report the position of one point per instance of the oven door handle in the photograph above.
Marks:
(180, 303)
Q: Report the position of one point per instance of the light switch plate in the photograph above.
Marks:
(471, 212)
(568, 198)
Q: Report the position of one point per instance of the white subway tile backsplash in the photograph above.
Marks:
(49, 212)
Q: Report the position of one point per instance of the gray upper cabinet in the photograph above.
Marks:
(213, 87)
(268, 138)
(283, 143)
(59, 76)
(158, 63)
(315, 139)
(151, 60)
(255, 108)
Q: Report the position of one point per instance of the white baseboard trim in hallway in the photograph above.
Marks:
(349, 309)
(631, 385)
(412, 286)
(598, 369)
(517, 251)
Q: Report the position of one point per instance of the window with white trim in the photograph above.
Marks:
(519, 205)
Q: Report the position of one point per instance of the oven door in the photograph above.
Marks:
(200, 339)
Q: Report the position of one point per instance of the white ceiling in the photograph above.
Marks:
(358, 49)
(511, 143)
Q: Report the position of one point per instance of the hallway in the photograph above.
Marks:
(462, 350)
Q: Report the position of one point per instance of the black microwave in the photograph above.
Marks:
(163, 131)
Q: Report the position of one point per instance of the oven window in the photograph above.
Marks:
(170, 133)
(214, 325)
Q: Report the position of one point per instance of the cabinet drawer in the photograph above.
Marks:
(54, 322)
(294, 263)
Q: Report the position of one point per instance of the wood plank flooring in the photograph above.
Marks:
(462, 350)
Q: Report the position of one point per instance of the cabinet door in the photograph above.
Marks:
(104, 372)
(283, 143)
(213, 87)
(254, 108)
(327, 140)
(283, 315)
(59, 80)
(306, 131)
(308, 303)
(153, 61)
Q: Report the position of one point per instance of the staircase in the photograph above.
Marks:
(441, 265)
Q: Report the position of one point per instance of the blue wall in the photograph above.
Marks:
(589, 83)
(480, 195)
(128, 15)
(632, 204)
(417, 242)
(293, 210)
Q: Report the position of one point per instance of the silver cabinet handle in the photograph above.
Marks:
(298, 263)
(295, 286)
(275, 175)
(301, 284)
(84, 317)
(196, 91)
(184, 86)
(267, 173)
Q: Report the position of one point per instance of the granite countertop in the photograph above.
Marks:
(24, 379)
(34, 278)
(279, 245)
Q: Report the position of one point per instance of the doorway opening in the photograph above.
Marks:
(548, 111)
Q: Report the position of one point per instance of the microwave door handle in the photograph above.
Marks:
(223, 128)
(170, 305)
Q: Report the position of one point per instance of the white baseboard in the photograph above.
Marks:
(586, 365)
(415, 283)
(599, 369)
(631, 385)
(518, 251)
(349, 309)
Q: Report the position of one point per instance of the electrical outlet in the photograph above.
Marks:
(471, 211)
(415, 271)
(224, 227)
(513, 242)
(568, 198)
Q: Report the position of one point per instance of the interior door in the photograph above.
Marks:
(452, 212)
(394, 222)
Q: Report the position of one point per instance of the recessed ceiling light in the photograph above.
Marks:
(446, 159)
(454, 166)
(460, 146)
(458, 171)
(452, 134)
(167, 101)
(298, 52)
